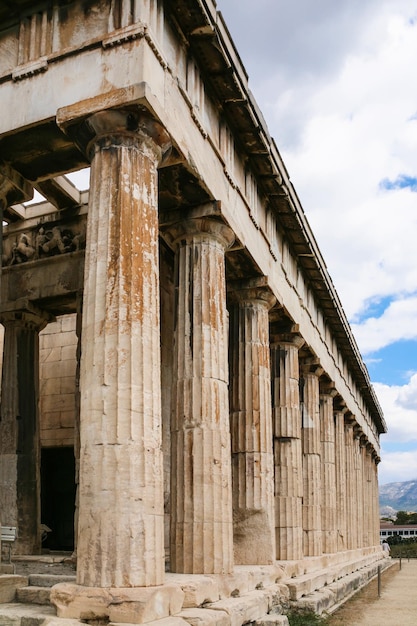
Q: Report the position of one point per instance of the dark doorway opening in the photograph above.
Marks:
(58, 497)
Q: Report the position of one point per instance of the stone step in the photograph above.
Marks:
(8, 586)
(33, 615)
(49, 580)
(33, 595)
(21, 614)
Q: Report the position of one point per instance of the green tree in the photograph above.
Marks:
(402, 518)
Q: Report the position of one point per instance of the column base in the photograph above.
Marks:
(132, 605)
(181, 592)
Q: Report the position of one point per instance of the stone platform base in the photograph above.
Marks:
(257, 595)
(328, 599)
(247, 595)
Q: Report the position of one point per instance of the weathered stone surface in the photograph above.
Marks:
(74, 601)
(251, 425)
(9, 583)
(129, 605)
(120, 410)
(288, 484)
(145, 605)
(197, 589)
(33, 595)
(205, 617)
(244, 609)
(201, 482)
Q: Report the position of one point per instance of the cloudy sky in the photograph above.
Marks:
(336, 82)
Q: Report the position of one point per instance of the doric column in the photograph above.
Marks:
(368, 496)
(19, 425)
(312, 488)
(120, 525)
(375, 498)
(351, 531)
(341, 483)
(201, 494)
(287, 446)
(251, 425)
(328, 470)
(358, 481)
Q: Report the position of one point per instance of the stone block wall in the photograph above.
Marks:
(57, 356)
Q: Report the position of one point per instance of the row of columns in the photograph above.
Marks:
(252, 479)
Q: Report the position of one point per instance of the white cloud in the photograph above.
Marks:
(407, 396)
(399, 404)
(360, 131)
(334, 81)
(397, 322)
(397, 466)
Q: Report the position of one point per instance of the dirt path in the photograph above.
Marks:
(397, 605)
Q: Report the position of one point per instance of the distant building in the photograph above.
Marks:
(407, 531)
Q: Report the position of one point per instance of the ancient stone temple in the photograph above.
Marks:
(183, 404)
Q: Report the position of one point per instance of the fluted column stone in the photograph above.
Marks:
(286, 419)
(358, 486)
(120, 526)
(251, 425)
(375, 491)
(350, 487)
(312, 487)
(328, 472)
(201, 487)
(368, 496)
(341, 482)
(19, 425)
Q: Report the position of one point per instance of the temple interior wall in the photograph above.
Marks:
(57, 359)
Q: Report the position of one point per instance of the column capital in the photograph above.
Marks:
(113, 127)
(290, 337)
(311, 366)
(24, 313)
(328, 388)
(200, 227)
(357, 431)
(241, 291)
(349, 418)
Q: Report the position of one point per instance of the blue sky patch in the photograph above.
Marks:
(374, 307)
(393, 364)
(398, 446)
(401, 182)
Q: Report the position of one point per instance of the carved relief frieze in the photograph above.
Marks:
(45, 240)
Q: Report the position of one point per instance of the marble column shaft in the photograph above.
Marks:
(312, 487)
(368, 498)
(351, 531)
(120, 526)
(251, 427)
(359, 483)
(375, 492)
(19, 427)
(328, 465)
(201, 487)
(287, 447)
(341, 486)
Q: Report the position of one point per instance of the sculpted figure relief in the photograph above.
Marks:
(42, 243)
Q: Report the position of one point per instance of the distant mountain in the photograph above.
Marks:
(399, 496)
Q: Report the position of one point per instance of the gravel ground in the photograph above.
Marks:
(397, 605)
